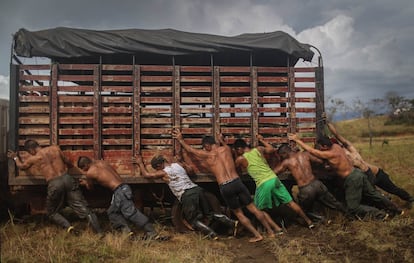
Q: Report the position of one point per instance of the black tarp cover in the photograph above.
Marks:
(69, 43)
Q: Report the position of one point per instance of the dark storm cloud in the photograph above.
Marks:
(366, 45)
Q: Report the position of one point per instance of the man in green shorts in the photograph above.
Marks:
(270, 192)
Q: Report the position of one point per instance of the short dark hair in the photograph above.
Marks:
(208, 140)
(30, 145)
(284, 148)
(239, 143)
(157, 160)
(83, 161)
(324, 141)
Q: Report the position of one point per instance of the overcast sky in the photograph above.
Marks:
(367, 46)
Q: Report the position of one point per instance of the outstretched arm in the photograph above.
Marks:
(23, 165)
(176, 133)
(268, 148)
(340, 138)
(281, 167)
(145, 173)
(317, 153)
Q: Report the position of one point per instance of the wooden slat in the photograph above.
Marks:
(160, 110)
(299, 89)
(117, 131)
(156, 78)
(273, 120)
(34, 98)
(106, 141)
(195, 79)
(238, 100)
(305, 69)
(266, 79)
(271, 130)
(34, 67)
(196, 89)
(235, 79)
(76, 109)
(76, 131)
(273, 100)
(76, 120)
(235, 89)
(117, 67)
(196, 100)
(34, 109)
(235, 110)
(305, 100)
(117, 78)
(75, 88)
(156, 68)
(162, 142)
(267, 89)
(234, 69)
(116, 99)
(30, 88)
(235, 120)
(273, 109)
(126, 89)
(196, 120)
(157, 100)
(76, 99)
(156, 89)
(157, 120)
(117, 110)
(195, 69)
(76, 66)
(75, 78)
(303, 79)
(116, 120)
(34, 119)
(35, 77)
(75, 141)
(196, 110)
(34, 131)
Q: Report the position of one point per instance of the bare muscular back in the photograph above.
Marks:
(51, 162)
(104, 174)
(338, 160)
(221, 164)
(299, 165)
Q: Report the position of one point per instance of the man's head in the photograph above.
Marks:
(157, 162)
(31, 146)
(239, 146)
(284, 150)
(84, 163)
(208, 142)
(324, 143)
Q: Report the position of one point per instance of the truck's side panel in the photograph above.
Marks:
(114, 112)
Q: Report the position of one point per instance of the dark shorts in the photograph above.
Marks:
(235, 194)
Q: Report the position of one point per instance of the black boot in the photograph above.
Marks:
(206, 230)
(224, 219)
(93, 220)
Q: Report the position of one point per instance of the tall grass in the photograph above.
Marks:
(35, 239)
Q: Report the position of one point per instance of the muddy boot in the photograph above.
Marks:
(206, 230)
(227, 221)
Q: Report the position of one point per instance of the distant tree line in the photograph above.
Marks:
(400, 110)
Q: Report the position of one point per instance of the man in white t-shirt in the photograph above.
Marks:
(194, 204)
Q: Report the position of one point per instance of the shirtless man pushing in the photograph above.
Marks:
(61, 187)
(220, 162)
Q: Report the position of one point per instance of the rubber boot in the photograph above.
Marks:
(93, 220)
(206, 230)
(224, 219)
